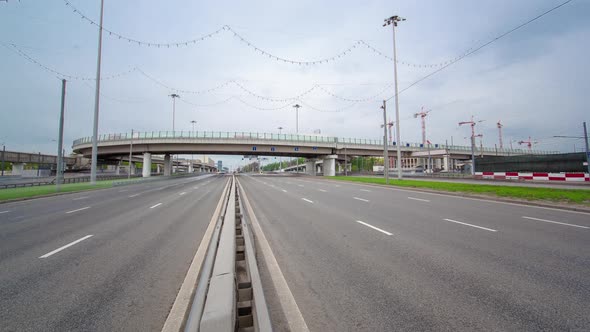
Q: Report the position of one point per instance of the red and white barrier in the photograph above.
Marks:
(570, 177)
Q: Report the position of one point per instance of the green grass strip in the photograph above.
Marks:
(26, 192)
(578, 196)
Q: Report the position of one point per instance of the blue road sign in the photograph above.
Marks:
(296, 149)
(272, 148)
(253, 148)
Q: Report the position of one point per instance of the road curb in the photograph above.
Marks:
(178, 314)
(481, 197)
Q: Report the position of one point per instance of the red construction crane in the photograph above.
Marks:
(528, 143)
(500, 133)
(423, 115)
(472, 123)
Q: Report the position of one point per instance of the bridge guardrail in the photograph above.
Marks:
(237, 135)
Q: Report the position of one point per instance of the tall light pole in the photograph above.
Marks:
(393, 22)
(586, 144)
(297, 106)
(60, 139)
(94, 161)
(130, 155)
(385, 147)
(174, 96)
(280, 158)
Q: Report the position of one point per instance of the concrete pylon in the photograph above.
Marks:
(158, 168)
(330, 165)
(18, 168)
(117, 169)
(167, 165)
(147, 165)
(190, 167)
(310, 167)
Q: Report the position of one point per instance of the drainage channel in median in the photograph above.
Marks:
(229, 294)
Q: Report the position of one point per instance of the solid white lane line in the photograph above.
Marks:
(300, 185)
(361, 199)
(84, 208)
(322, 190)
(79, 198)
(1, 212)
(151, 207)
(124, 190)
(64, 247)
(134, 195)
(182, 193)
(555, 222)
(466, 224)
(284, 190)
(419, 199)
(195, 187)
(365, 190)
(375, 228)
(307, 200)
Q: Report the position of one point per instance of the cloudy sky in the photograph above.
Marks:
(534, 80)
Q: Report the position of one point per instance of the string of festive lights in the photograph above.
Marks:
(195, 92)
(479, 48)
(258, 50)
(60, 75)
(140, 42)
(207, 105)
(369, 98)
(336, 110)
(409, 64)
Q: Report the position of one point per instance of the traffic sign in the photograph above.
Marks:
(272, 148)
(296, 149)
(253, 148)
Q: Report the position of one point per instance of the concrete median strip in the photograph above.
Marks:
(178, 314)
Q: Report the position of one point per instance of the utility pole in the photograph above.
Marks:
(385, 147)
(280, 158)
(500, 133)
(60, 138)
(472, 124)
(174, 96)
(3, 153)
(94, 161)
(130, 155)
(393, 22)
(345, 162)
(587, 151)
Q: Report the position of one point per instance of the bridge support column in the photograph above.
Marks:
(446, 163)
(310, 167)
(158, 168)
(330, 165)
(147, 165)
(118, 169)
(18, 168)
(167, 165)
(190, 167)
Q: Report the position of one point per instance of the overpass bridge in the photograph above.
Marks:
(327, 149)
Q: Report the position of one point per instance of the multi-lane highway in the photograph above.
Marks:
(104, 260)
(366, 258)
(354, 257)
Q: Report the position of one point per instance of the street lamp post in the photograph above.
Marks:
(174, 96)
(385, 147)
(59, 168)
(297, 106)
(94, 160)
(280, 158)
(393, 22)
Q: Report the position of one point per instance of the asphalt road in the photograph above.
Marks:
(106, 260)
(363, 258)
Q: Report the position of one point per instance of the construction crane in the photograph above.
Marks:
(423, 115)
(528, 143)
(389, 127)
(500, 125)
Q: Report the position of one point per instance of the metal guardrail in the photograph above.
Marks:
(66, 181)
(289, 138)
(229, 294)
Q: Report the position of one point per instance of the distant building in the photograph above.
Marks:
(219, 165)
